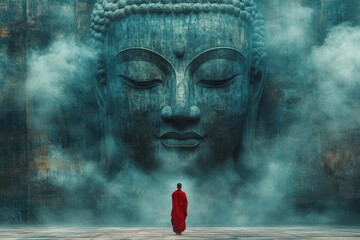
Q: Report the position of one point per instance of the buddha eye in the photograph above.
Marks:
(215, 73)
(142, 68)
(141, 84)
(217, 83)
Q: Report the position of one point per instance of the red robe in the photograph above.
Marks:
(179, 211)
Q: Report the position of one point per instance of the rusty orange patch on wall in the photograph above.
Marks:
(4, 33)
(40, 161)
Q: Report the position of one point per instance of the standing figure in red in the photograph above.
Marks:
(179, 210)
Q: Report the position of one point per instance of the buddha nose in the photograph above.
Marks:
(181, 114)
(181, 109)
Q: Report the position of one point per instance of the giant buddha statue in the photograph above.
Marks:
(178, 82)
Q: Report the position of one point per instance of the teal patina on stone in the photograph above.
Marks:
(179, 82)
(106, 11)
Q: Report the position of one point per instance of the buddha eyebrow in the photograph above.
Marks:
(139, 53)
(218, 52)
(144, 54)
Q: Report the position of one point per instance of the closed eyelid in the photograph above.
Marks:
(141, 84)
(222, 79)
(139, 80)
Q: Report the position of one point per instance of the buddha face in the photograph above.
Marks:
(178, 89)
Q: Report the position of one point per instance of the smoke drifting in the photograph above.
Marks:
(320, 102)
(292, 30)
(337, 64)
(59, 79)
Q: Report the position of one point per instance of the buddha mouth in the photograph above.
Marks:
(181, 140)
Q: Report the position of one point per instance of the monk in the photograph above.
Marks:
(179, 210)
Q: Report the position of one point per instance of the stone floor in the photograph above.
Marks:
(191, 233)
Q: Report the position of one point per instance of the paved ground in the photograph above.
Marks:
(191, 233)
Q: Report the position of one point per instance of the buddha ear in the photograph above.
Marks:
(259, 75)
(99, 82)
(258, 79)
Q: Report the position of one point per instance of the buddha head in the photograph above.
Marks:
(178, 82)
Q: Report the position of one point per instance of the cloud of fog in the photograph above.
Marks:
(57, 77)
(57, 87)
(87, 195)
(337, 63)
(292, 28)
(324, 83)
